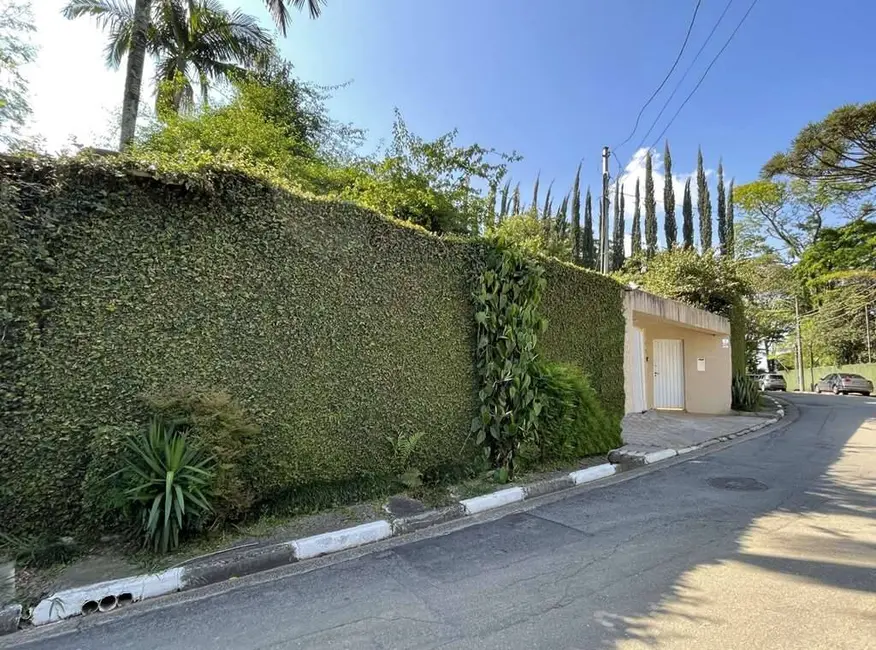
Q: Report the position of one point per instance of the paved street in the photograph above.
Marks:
(770, 543)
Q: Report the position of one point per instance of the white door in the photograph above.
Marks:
(668, 374)
(637, 383)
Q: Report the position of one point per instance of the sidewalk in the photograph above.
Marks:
(654, 435)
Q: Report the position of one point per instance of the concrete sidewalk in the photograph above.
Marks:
(653, 432)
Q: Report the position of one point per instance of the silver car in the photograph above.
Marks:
(772, 381)
(843, 383)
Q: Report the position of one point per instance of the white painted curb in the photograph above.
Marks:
(69, 603)
(494, 500)
(657, 456)
(338, 540)
(592, 473)
(687, 450)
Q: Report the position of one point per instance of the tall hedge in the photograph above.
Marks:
(585, 328)
(333, 326)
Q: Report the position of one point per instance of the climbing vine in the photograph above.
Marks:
(508, 329)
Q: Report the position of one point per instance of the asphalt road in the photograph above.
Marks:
(770, 543)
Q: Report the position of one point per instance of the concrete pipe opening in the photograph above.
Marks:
(107, 603)
(90, 607)
(125, 599)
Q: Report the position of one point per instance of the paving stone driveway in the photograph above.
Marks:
(674, 430)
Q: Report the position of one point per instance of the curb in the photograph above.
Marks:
(105, 596)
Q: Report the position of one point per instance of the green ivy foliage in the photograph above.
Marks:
(509, 324)
(331, 325)
(584, 311)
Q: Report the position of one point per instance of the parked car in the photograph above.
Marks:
(772, 381)
(843, 383)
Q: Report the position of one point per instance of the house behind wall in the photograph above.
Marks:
(675, 356)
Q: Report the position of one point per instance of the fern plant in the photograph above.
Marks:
(171, 483)
(403, 446)
(745, 393)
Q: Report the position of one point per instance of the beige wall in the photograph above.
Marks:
(704, 391)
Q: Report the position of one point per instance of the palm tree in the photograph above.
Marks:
(130, 32)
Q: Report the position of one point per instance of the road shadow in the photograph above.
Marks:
(806, 540)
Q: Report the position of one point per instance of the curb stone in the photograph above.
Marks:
(10, 616)
(68, 603)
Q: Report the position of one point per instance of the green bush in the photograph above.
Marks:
(170, 478)
(218, 425)
(573, 423)
(331, 325)
(745, 393)
(105, 506)
(584, 311)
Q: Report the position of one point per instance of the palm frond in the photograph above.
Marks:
(281, 15)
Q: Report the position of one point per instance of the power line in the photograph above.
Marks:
(684, 76)
(666, 78)
(717, 56)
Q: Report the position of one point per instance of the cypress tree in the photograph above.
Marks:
(670, 227)
(576, 217)
(491, 208)
(617, 241)
(534, 207)
(503, 200)
(650, 209)
(687, 225)
(515, 200)
(636, 234)
(588, 257)
(547, 214)
(730, 233)
(561, 226)
(722, 211)
(704, 205)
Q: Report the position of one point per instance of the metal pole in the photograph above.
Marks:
(800, 376)
(867, 321)
(603, 221)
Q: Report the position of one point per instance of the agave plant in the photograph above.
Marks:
(745, 393)
(171, 482)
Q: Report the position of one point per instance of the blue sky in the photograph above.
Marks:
(555, 80)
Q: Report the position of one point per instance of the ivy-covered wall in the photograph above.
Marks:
(333, 326)
(586, 328)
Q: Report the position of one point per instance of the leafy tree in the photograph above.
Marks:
(576, 217)
(840, 252)
(588, 253)
(636, 232)
(704, 205)
(839, 151)
(789, 214)
(193, 43)
(650, 208)
(707, 281)
(670, 226)
(526, 233)
(729, 225)
(722, 211)
(16, 50)
(617, 240)
(687, 224)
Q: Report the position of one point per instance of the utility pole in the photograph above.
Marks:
(867, 321)
(603, 221)
(800, 376)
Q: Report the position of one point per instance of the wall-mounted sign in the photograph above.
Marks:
(725, 343)
(701, 364)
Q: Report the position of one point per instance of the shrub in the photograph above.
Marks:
(573, 423)
(745, 393)
(218, 425)
(171, 483)
(105, 505)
